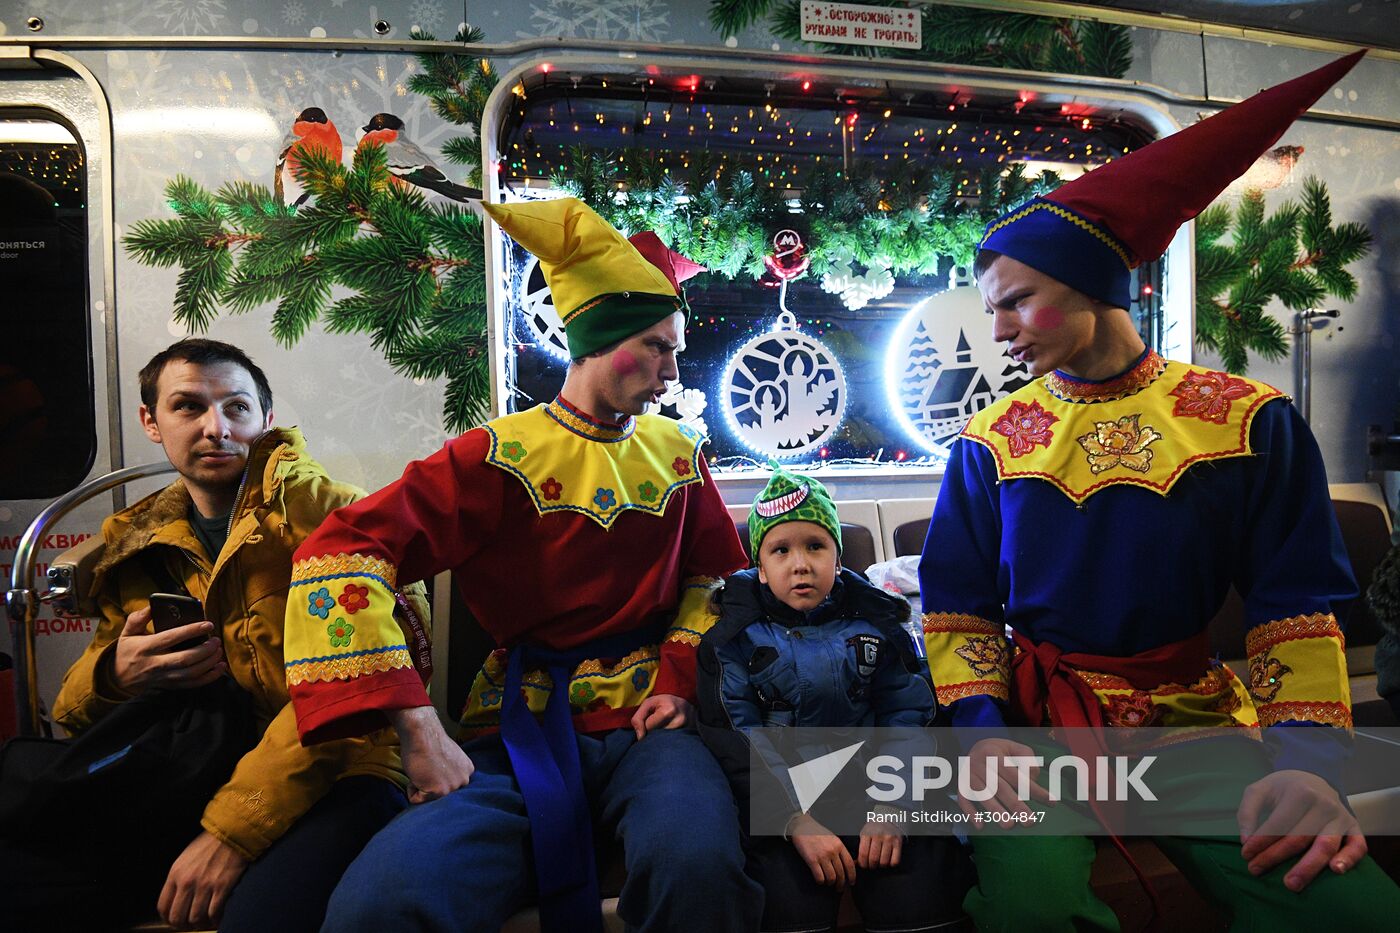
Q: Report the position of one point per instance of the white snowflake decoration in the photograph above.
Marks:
(189, 17)
(293, 13)
(857, 289)
(425, 13)
(784, 392)
(943, 366)
(688, 404)
(537, 307)
(644, 20)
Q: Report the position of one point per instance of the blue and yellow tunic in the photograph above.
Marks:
(1111, 518)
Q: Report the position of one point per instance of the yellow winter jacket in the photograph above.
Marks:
(284, 497)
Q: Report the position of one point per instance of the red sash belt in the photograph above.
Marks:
(1046, 679)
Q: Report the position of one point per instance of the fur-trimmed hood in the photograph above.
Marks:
(275, 454)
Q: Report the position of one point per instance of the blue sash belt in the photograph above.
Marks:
(544, 754)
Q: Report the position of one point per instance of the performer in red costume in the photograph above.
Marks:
(585, 537)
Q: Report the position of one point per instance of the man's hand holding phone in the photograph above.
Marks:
(185, 654)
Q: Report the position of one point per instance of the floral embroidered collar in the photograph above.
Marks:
(569, 462)
(1139, 376)
(1147, 436)
(576, 420)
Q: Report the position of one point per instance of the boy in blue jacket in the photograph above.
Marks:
(803, 642)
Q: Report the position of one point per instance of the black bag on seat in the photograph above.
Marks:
(144, 771)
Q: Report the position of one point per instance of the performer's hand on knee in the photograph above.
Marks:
(989, 756)
(661, 711)
(434, 762)
(1291, 812)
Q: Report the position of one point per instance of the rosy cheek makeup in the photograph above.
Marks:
(1047, 318)
(624, 363)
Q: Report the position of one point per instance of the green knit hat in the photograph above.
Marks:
(791, 498)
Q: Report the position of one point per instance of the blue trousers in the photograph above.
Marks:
(463, 862)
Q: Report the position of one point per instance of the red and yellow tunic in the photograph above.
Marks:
(559, 530)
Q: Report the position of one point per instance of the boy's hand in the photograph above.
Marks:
(880, 846)
(142, 660)
(825, 854)
(661, 711)
(199, 883)
(1304, 815)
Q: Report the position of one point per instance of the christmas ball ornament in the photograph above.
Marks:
(784, 393)
(943, 366)
(789, 257)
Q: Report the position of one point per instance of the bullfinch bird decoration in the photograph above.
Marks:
(409, 164)
(312, 130)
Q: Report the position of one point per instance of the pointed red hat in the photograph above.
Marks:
(672, 264)
(1090, 232)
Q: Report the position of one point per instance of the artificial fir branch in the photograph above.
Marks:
(1295, 256)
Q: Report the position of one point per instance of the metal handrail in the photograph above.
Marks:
(23, 603)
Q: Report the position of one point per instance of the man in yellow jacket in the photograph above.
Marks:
(277, 836)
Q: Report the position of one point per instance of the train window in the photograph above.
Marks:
(876, 350)
(47, 421)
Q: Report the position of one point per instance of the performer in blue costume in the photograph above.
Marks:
(1102, 513)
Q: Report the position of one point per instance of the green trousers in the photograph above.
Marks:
(1029, 883)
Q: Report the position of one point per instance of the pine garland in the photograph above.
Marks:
(1296, 256)
(417, 271)
(907, 218)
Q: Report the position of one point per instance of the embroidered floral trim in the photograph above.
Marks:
(581, 424)
(354, 598)
(986, 655)
(1208, 395)
(319, 603)
(641, 679)
(514, 451)
(1317, 625)
(604, 498)
(648, 491)
(1266, 674)
(347, 666)
(1132, 711)
(340, 632)
(951, 693)
(1024, 426)
(314, 569)
(1328, 713)
(949, 622)
(551, 489)
(1216, 678)
(1068, 389)
(681, 465)
(1119, 443)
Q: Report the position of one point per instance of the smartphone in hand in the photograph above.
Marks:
(169, 610)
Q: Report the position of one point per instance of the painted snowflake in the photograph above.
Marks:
(293, 13)
(189, 17)
(425, 13)
(646, 20)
